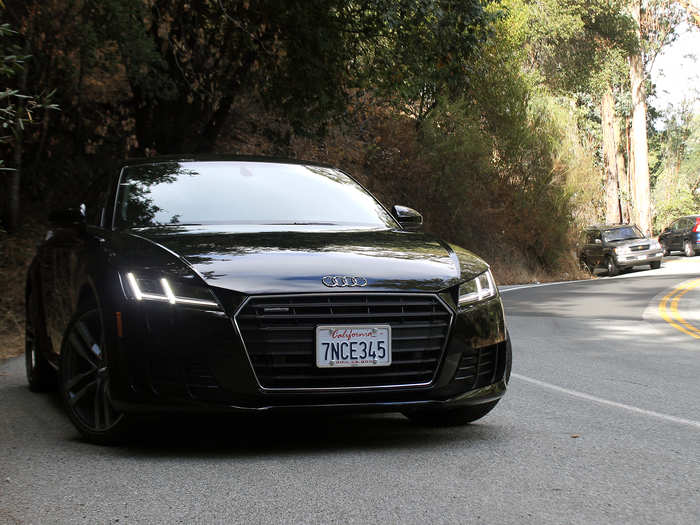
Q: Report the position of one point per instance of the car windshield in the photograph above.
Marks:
(622, 234)
(237, 192)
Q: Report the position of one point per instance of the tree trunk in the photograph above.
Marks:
(212, 129)
(630, 170)
(640, 151)
(621, 173)
(612, 191)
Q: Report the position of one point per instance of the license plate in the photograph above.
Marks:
(350, 346)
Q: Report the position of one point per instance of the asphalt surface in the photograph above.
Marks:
(601, 424)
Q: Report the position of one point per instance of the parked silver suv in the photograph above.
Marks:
(617, 247)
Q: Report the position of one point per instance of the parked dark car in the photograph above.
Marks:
(243, 284)
(683, 235)
(616, 247)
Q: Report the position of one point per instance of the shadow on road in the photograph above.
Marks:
(247, 436)
(232, 435)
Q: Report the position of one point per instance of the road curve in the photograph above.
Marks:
(601, 425)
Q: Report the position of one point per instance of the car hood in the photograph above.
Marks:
(630, 242)
(266, 260)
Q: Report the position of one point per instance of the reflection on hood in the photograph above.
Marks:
(295, 260)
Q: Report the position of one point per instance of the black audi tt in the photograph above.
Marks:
(247, 284)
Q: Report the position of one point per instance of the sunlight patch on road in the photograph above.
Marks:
(668, 308)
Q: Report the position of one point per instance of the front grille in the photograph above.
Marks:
(639, 247)
(479, 367)
(279, 334)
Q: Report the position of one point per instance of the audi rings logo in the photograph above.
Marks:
(338, 281)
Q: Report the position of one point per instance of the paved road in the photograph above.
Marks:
(601, 425)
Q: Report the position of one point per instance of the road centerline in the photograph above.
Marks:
(674, 318)
(602, 401)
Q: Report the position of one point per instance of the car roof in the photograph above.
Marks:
(218, 158)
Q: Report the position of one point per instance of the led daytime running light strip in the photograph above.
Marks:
(168, 296)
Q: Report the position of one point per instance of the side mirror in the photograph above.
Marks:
(408, 218)
(598, 241)
(68, 217)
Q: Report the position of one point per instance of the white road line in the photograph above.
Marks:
(588, 397)
(521, 286)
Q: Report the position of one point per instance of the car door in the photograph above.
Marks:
(587, 248)
(62, 259)
(684, 231)
(596, 247)
(665, 236)
(52, 272)
(677, 234)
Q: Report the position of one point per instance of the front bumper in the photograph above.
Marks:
(629, 260)
(186, 359)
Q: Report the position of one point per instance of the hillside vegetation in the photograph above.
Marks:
(485, 116)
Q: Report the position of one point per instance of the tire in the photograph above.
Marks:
(655, 265)
(41, 376)
(613, 269)
(688, 249)
(84, 380)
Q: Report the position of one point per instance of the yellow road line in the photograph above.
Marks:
(674, 307)
(674, 318)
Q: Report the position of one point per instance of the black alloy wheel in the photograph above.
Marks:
(613, 269)
(688, 249)
(85, 380)
(40, 375)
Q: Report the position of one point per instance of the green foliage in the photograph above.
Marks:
(515, 150)
(11, 61)
(677, 179)
(503, 96)
(424, 50)
(16, 108)
(576, 45)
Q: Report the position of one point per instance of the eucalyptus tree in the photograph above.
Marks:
(580, 47)
(656, 22)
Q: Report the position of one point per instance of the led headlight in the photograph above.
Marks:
(163, 290)
(480, 288)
